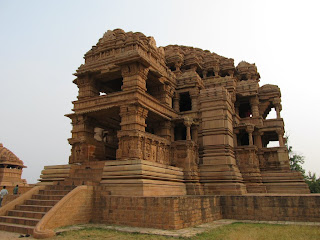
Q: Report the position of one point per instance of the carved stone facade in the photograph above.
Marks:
(177, 118)
(10, 168)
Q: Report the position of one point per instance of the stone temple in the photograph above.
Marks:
(176, 121)
(167, 137)
(10, 168)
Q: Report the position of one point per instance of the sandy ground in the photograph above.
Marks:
(10, 235)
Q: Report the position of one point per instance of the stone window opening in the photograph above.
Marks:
(185, 102)
(243, 77)
(154, 86)
(155, 125)
(270, 140)
(272, 144)
(210, 73)
(272, 114)
(224, 74)
(245, 110)
(199, 72)
(110, 86)
(180, 132)
(172, 68)
(243, 138)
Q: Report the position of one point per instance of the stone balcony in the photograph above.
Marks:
(117, 99)
(277, 122)
(257, 121)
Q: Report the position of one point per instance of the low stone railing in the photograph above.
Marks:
(142, 145)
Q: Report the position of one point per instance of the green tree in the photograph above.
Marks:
(313, 182)
(296, 160)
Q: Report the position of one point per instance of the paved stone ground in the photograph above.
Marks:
(186, 232)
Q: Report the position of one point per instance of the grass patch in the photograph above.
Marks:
(235, 231)
(246, 231)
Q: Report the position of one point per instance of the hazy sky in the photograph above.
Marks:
(43, 42)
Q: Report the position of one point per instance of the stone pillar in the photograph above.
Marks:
(134, 76)
(176, 99)
(204, 73)
(164, 130)
(82, 141)
(258, 141)
(133, 123)
(216, 71)
(168, 91)
(280, 137)
(250, 131)
(194, 133)
(188, 123)
(133, 117)
(218, 159)
(254, 102)
(87, 87)
(278, 107)
(194, 99)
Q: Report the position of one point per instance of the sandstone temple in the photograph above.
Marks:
(10, 168)
(167, 137)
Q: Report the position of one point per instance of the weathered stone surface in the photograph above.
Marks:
(175, 106)
(10, 169)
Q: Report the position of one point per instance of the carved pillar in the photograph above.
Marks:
(250, 131)
(277, 105)
(231, 72)
(188, 123)
(254, 102)
(82, 141)
(280, 137)
(257, 138)
(87, 87)
(216, 71)
(176, 99)
(194, 99)
(194, 133)
(168, 89)
(134, 76)
(204, 73)
(133, 117)
(164, 130)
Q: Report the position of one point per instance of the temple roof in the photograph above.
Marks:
(8, 157)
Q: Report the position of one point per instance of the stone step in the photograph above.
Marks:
(47, 197)
(33, 208)
(60, 187)
(10, 227)
(26, 214)
(41, 202)
(53, 192)
(19, 220)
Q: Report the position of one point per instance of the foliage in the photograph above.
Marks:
(313, 182)
(296, 161)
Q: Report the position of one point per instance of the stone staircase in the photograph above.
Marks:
(25, 217)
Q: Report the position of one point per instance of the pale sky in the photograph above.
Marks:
(42, 43)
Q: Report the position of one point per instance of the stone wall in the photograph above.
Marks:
(186, 211)
(156, 212)
(300, 208)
